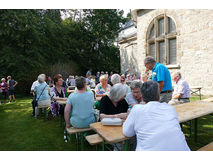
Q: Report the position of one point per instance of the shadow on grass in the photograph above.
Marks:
(21, 132)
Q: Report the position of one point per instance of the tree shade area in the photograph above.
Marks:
(37, 41)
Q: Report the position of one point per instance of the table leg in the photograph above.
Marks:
(103, 144)
(126, 145)
(200, 93)
(190, 129)
(82, 141)
(45, 113)
(195, 126)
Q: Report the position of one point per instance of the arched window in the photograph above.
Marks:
(161, 40)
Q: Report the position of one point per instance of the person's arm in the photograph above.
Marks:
(59, 98)
(104, 112)
(8, 84)
(128, 126)
(161, 85)
(120, 115)
(15, 83)
(67, 115)
(177, 96)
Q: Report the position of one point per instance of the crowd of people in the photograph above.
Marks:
(7, 89)
(144, 102)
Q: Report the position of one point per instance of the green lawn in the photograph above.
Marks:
(19, 131)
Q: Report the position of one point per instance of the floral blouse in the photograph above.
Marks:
(100, 90)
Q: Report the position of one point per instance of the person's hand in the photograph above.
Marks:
(68, 126)
(122, 115)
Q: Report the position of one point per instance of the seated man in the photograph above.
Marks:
(155, 124)
(134, 97)
(181, 92)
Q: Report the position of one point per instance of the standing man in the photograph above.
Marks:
(89, 73)
(11, 84)
(161, 75)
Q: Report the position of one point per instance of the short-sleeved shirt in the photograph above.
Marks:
(156, 126)
(182, 87)
(161, 73)
(89, 73)
(100, 90)
(35, 83)
(82, 113)
(45, 94)
(108, 108)
(4, 85)
(11, 83)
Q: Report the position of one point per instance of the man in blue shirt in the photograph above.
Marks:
(161, 75)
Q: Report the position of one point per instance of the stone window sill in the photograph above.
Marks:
(173, 66)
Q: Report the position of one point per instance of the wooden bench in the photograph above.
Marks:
(45, 107)
(208, 147)
(76, 131)
(73, 130)
(94, 139)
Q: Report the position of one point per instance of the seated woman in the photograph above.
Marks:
(80, 105)
(114, 105)
(103, 87)
(135, 97)
(57, 93)
(42, 92)
(115, 78)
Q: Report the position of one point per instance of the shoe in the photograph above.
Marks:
(9, 102)
(14, 101)
(35, 117)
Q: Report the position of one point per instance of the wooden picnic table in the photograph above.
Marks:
(192, 110)
(208, 99)
(70, 91)
(71, 87)
(61, 102)
(110, 134)
(196, 90)
(208, 147)
(185, 112)
(98, 98)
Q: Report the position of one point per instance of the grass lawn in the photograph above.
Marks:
(19, 131)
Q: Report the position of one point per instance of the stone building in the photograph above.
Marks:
(180, 39)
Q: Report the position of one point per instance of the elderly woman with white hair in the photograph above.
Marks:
(135, 97)
(115, 78)
(114, 105)
(103, 87)
(42, 92)
(4, 88)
